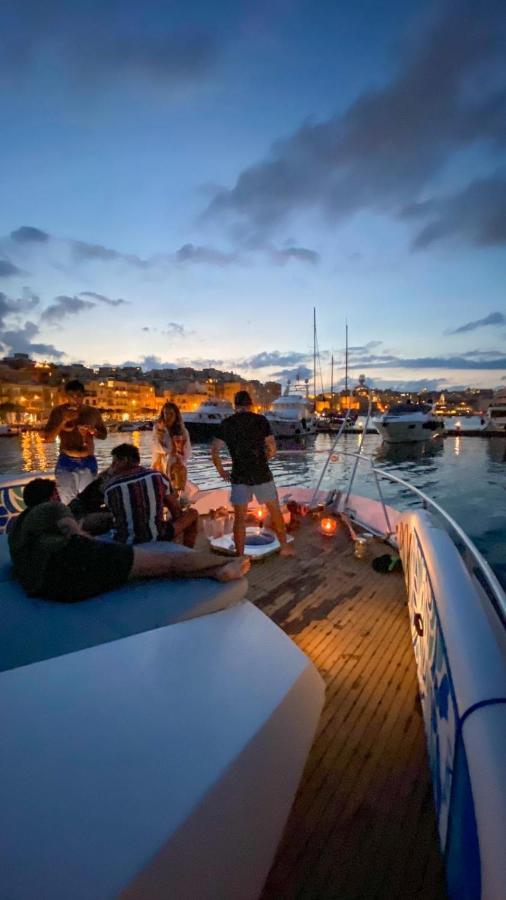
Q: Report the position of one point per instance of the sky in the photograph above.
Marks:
(181, 184)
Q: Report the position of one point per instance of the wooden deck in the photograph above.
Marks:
(362, 825)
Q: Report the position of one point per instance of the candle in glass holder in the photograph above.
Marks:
(328, 526)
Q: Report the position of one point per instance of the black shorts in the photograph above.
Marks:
(84, 568)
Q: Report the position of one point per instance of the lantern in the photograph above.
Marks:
(328, 526)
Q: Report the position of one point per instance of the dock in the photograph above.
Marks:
(363, 823)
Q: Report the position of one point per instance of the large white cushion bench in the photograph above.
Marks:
(33, 629)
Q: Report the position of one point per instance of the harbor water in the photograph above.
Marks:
(465, 475)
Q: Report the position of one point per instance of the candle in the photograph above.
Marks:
(328, 526)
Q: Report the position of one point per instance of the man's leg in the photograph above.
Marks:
(66, 484)
(153, 564)
(240, 513)
(278, 524)
(83, 477)
(186, 526)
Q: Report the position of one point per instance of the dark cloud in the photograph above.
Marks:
(494, 318)
(27, 234)
(9, 307)
(301, 254)
(473, 359)
(85, 252)
(299, 374)
(64, 306)
(174, 329)
(209, 255)
(476, 215)
(385, 149)
(149, 362)
(21, 341)
(269, 358)
(8, 269)
(103, 299)
(92, 46)
(417, 384)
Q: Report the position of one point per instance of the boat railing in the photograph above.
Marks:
(480, 567)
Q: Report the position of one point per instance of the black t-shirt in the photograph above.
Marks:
(244, 434)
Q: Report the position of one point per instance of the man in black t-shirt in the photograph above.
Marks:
(251, 444)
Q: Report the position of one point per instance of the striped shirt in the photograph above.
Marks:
(136, 501)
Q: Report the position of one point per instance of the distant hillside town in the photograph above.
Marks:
(29, 389)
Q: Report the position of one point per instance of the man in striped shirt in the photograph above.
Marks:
(142, 505)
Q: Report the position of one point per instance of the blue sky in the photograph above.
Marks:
(223, 168)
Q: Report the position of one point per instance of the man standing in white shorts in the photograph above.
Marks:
(251, 444)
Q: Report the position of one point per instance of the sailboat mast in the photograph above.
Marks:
(331, 379)
(314, 353)
(346, 368)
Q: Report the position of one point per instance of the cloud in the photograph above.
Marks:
(102, 299)
(301, 254)
(147, 363)
(86, 252)
(417, 384)
(9, 307)
(298, 374)
(494, 318)
(8, 269)
(271, 358)
(385, 148)
(27, 234)
(108, 44)
(475, 215)
(208, 255)
(21, 341)
(64, 306)
(472, 359)
(174, 329)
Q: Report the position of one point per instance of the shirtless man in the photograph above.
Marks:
(76, 424)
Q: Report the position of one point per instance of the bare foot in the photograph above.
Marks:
(287, 550)
(233, 570)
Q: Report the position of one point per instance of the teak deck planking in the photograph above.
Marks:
(363, 823)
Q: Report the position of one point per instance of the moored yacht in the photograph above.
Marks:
(407, 423)
(184, 705)
(495, 418)
(292, 415)
(206, 420)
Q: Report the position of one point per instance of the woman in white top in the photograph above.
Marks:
(171, 446)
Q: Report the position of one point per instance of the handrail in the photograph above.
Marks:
(488, 573)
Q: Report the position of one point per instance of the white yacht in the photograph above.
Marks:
(205, 421)
(163, 728)
(292, 415)
(495, 418)
(407, 423)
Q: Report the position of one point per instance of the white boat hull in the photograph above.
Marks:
(398, 432)
(163, 772)
(292, 427)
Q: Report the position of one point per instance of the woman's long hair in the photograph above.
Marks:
(177, 428)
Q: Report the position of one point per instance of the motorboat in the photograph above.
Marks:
(330, 420)
(292, 415)
(206, 420)
(495, 417)
(407, 423)
(163, 728)
(10, 430)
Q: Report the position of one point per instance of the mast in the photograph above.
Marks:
(346, 368)
(314, 353)
(331, 379)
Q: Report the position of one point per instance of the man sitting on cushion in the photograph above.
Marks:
(141, 498)
(53, 558)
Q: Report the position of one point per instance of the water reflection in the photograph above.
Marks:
(398, 453)
(33, 452)
(496, 449)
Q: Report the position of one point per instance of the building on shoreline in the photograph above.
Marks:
(29, 389)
